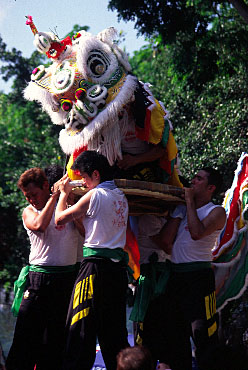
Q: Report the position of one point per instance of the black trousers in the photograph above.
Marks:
(97, 309)
(187, 309)
(39, 336)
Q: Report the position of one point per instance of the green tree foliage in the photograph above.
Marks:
(27, 139)
(205, 92)
(17, 68)
(168, 18)
(165, 18)
(76, 29)
(195, 58)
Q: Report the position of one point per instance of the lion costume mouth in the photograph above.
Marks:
(105, 122)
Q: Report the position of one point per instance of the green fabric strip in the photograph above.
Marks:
(190, 266)
(236, 285)
(116, 76)
(117, 253)
(52, 269)
(153, 280)
(19, 286)
(228, 256)
(165, 136)
(20, 283)
(245, 203)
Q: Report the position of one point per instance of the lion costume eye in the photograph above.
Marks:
(97, 68)
(53, 52)
(98, 63)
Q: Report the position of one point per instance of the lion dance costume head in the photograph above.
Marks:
(90, 90)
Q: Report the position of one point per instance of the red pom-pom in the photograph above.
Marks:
(66, 105)
(80, 94)
(76, 154)
(35, 71)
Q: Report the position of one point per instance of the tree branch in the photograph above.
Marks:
(241, 8)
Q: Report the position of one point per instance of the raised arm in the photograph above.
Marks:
(39, 221)
(200, 228)
(78, 210)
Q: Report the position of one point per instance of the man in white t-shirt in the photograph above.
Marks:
(98, 302)
(188, 307)
(47, 281)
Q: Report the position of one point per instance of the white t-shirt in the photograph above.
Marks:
(185, 249)
(56, 246)
(106, 219)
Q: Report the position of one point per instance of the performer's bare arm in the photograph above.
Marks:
(167, 235)
(156, 152)
(78, 222)
(39, 221)
(78, 210)
(200, 228)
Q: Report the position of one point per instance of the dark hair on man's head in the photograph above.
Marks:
(214, 178)
(54, 172)
(135, 358)
(34, 175)
(89, 161)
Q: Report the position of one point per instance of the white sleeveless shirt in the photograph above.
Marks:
(185, 249)
(56, 246)
(106, 219)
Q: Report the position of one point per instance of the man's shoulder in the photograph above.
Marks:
(216, 207)
(217, 216)
(218, 210)
(28, 210)
(210, 206)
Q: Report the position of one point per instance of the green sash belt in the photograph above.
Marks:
(117, 254)
(153, 280)
(20, 283)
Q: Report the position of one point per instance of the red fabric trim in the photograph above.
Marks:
(76, 154)
(234, 208)
(59, 46)
(143, 133)
(66, 41)
(132, 249)
(165, 165)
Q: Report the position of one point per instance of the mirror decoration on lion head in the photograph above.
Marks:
(90, 90)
